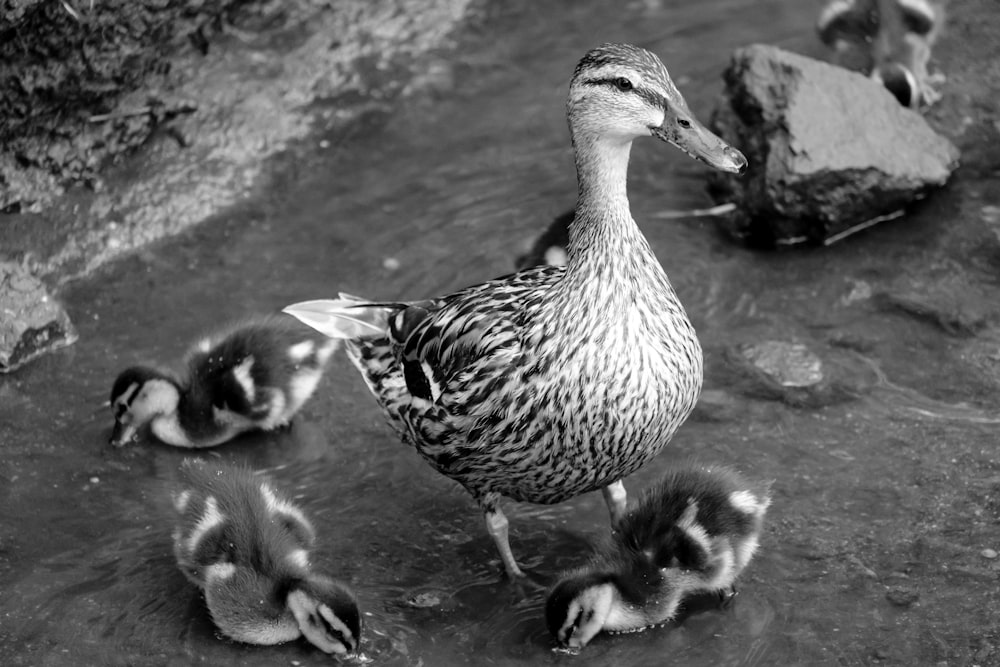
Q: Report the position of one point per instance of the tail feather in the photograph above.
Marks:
(345, 318)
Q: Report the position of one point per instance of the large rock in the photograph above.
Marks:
(31, 322)
(829, 149)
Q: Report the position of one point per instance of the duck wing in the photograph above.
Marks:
(452, 352)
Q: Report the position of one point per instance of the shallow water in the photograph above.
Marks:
(895, 484)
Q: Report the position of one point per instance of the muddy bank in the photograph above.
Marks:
(127, 122)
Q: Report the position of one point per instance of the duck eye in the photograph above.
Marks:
(686, 124)
(623, 84)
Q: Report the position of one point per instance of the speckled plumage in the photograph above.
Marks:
(552, 381)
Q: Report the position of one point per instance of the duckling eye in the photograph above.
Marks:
(683, 122)
(623, 84)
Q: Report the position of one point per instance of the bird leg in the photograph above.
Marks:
(615, 497)
(496, 524)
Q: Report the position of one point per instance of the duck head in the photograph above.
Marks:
(620, 92)
(137, 397)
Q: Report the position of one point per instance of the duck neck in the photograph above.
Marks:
(605, 244)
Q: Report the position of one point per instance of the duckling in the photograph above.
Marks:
(694, 532)
(891, 40)
(254, 375)
(908, 30)
(246, 546)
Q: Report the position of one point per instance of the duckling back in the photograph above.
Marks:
(692, 513)
(691, 533)
(257, 374)
(246, 546)
(230, 518)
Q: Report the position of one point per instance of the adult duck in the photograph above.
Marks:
(552, 381)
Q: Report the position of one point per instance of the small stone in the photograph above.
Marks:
(422, 600)
(902, 597)
(31, 322)
(988, 554)
(788, 364)
(830, 150)
(390, 264)
(95, 480)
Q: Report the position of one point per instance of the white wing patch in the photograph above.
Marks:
(434, 386)
(299, 558)
(301, 351)
(242, 374)
(276, 505)
(746, 502)
(219, 572)
(181, 501)
(209, 520)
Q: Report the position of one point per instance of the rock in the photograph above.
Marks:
(829, 149)
(989, 554)
(950, 300)
(902, 597)
(32, 322)
(794, 374)
(788, 364)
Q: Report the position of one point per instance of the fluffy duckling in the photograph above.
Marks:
(891, 40)
(247, 547)
(693, 532)
(255, 375)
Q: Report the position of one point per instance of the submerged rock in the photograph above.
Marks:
(31, 322)
(795, 374)
(829, 149)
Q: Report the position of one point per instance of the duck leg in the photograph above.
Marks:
(616, 499)
(496, 524)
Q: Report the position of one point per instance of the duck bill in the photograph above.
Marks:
(121, 434)
(702, 145)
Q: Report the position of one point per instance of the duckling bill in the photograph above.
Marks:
(556, 380)
(694, 532)
(254, 375)
(246, 546)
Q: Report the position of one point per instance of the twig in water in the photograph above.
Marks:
(860, 226)
(721, 209)
(114, 115)
(72, 12)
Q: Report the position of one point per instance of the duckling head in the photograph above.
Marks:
(137, 397)
(578, 608)
(249, 606)
(327, 614)
(620, 92)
